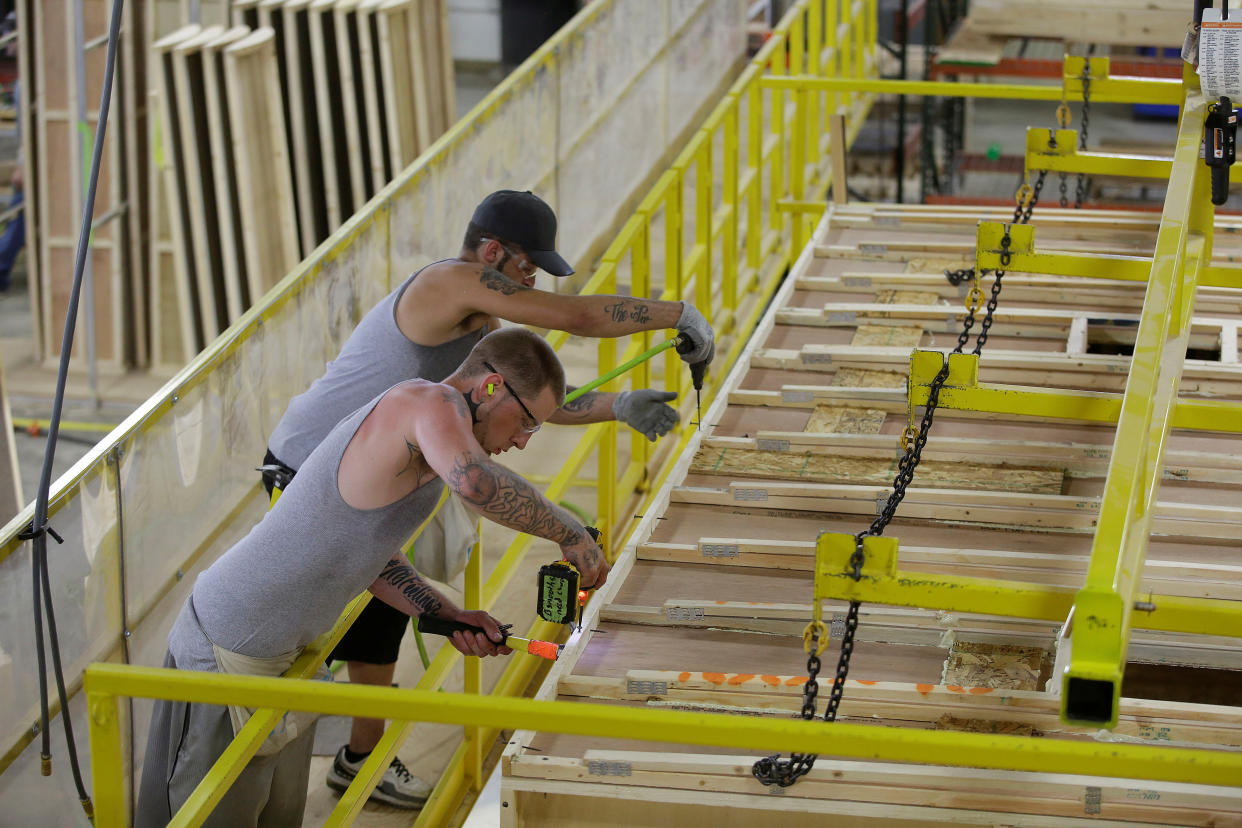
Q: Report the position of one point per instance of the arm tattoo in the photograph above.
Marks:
(418, 592)
(414, 455)
(581, 406)
(493, 279)
(508, 499)
(628, 310)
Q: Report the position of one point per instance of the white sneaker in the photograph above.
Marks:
(397, 787)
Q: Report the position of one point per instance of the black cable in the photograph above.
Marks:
(38, 527)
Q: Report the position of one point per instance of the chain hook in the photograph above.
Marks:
(1064, 116)
(815, 638)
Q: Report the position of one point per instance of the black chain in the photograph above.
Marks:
(773, 770)
(1084, 183)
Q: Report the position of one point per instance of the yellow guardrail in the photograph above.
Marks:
(726, 245)
(106, 683)
(162, 493)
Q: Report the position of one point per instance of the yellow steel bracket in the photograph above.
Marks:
(1056, 150)
(1105, 88)
(963, 391)
(1024, 258)
(883, 583)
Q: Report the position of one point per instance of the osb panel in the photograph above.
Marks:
(868, 378)
(999, 666)
(904, 336)
(907, 297)
(947, 722)
(838, 419)
(823, 468)
(926, 264)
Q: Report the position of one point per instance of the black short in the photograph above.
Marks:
(375, 637)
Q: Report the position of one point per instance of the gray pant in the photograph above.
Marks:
(185, 740)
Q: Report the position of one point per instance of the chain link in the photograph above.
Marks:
(1084, 183)
(773, 770)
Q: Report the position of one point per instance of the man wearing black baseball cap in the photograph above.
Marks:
(423, 330)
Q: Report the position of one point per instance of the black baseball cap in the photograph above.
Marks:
(523, 218)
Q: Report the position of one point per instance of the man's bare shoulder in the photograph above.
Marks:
(420, 395)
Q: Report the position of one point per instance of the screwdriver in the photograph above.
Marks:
(446, 628)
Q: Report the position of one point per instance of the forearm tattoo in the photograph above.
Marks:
(500, 494)
(629, 310)
(493, 279)
(421, 594)
(582, 406)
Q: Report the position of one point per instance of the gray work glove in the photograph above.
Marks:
(693, 326)
(646, 411)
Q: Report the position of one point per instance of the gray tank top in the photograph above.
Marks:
(288, 580)
(375, 357)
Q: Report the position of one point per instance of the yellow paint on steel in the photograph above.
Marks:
(882, 582)
(963, 391)
(1112, 91)
(1103, 607)
(1056, 150)
(105, 682)
(1025, 258)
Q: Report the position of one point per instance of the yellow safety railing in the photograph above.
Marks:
(106, 683)
(143, 509)
(723, 210)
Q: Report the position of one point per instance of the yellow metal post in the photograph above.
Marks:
(640, 285)
(1091, 686)
(732, 210)
(704, 184)
(754, 173)
(107, 760)
(472, 684)
(797, 165)
(776, 174)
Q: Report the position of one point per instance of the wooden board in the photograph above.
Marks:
(58, 188)
(350, 69)
(194, 175)
(177, 209)
(325, 79)
(228, 214)
(399, 26)
(374, 95)
(706, 609)
(265, 190)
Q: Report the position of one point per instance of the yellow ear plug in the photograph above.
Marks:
(491, 387)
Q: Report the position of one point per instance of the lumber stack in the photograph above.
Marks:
(705, 611)
(988, 26)
(238, 142)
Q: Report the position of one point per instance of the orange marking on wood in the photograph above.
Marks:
(979, 691)
(741, 678)
(684, 677)
(956, 688)
(924, 688)
(795, 681)
(721, 603)
(868, 683)
(775, 681)
(714, 678)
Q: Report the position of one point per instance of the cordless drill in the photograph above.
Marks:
(697, 370)
(1218, 146)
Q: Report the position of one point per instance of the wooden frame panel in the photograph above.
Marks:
(269, 228)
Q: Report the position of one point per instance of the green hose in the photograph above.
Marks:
(620, 369)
